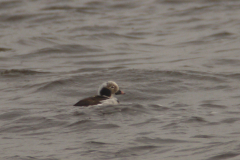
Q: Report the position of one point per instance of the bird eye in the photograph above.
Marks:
(112, 87)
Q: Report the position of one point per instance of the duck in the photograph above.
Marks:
(105, 96)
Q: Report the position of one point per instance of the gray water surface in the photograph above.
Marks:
(177, 61)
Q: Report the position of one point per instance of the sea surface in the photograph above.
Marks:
(178, 61)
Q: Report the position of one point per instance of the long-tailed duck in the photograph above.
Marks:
(105, 95)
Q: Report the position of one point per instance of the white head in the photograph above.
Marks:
(109, 89)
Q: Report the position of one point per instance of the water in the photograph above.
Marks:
(177, 61)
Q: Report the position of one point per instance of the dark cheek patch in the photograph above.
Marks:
(105, 92)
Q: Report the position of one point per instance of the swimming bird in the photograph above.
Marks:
(105, 95)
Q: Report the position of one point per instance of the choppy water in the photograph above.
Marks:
(177, 61)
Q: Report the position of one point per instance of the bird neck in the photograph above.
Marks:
(105, 92)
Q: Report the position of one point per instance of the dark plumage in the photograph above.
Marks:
(105, 92)
(91, 101)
